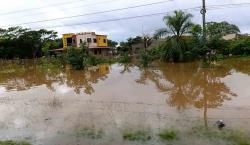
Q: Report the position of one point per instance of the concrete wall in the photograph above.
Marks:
(230, 37)
(84, 38)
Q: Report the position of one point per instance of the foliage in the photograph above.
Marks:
(124, 58)
(112, 43)
(167, 135)
(17, 42)
(51, 62)
(219, 29)
(139, 135)
(233, 136)
(146, 57)
(127, 46)
(14, 143)
(77, 57)
(177, 24)
(80, 58)
(239, 47)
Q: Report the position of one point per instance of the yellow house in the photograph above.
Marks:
(102, 40)
(68, 40)
(97, 44)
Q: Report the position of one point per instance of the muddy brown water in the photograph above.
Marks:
(49, 106)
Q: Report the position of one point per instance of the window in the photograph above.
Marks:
(104, 41)
(89, 40)
(81, 41)
(95, 41)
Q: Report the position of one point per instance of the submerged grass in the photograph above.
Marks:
(139, 135)
(167, 135)
(14, 143)
(234, 137)
(90, 133)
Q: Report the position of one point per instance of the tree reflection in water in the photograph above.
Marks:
(190, 85)
(24, 77)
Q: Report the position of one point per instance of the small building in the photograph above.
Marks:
(235, 36)
(97, 44)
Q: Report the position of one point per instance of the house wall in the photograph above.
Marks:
(230, 37)
(102, 41)
(84, 38)
(65, 36)
(96, 40)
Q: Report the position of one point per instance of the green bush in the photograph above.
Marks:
(167, 135)
(146, 58)
(240, 47)
(139, 135)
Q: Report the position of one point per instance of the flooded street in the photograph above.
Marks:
(50, 106)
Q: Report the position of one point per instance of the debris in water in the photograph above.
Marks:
(220, 124)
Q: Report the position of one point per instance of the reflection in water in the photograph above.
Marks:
(127, 68)
(191, 85)
(14, 77)
(119, 96)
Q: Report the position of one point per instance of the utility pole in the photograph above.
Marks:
(203, 12)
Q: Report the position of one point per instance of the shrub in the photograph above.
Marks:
(240, 47)
(139, 135)
(146, 58)
(167, 135)
(77, 57)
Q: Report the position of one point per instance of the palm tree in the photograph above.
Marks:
(177, 24)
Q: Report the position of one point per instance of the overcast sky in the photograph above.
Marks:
(117, 30)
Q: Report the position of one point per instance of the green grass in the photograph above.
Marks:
(14, 143)
(167, 135)
(235, 137)
(139, 135)
(90, 133)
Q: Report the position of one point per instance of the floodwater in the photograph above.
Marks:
(49, 106)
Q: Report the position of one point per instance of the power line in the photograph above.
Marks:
(127, 18)
(114, 19)
(72, 8)
(94, 13)
(131, 17)
(35, 8)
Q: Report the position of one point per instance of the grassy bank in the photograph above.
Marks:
(14, 143)
(195, 135)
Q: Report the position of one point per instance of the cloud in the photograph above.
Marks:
(118, 30)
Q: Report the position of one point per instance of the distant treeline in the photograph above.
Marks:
(17, 42)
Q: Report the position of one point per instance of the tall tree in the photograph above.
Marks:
(220, 29)
(24, 43)
(177, 24)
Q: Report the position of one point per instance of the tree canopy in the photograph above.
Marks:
(220, 29)
(18, 42)
(177, 24)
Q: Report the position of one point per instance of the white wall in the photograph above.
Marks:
(84, 37)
